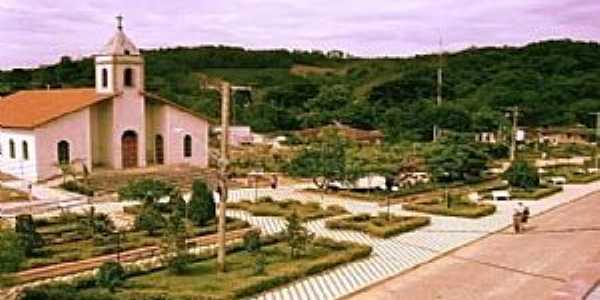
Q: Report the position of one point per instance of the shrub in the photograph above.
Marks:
(202, 206)
(12, 253)
(30, 238)
(261, 262)
(522, 174)
(147, 190)
(110, 275)
(77, 187)
(252, 241)
(64, 292)
(298, 237)
(150, 220)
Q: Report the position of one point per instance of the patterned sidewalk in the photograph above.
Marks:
(395, 255)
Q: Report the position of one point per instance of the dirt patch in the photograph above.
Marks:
(110, 181)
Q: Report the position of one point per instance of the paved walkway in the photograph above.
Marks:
(507, 266)
(45, 198)
(395, 255)
(595, 295)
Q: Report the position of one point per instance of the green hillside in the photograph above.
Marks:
(555, 82)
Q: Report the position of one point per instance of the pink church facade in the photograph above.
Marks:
(115, 125)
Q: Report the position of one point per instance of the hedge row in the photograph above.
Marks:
(378, 226)
(266, 206)
(465, 210)
(535, 194)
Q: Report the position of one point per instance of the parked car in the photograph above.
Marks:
(502, 195)
(557, 180)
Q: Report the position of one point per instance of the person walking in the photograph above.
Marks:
(525, 214)
(517, 218)
(274, 181)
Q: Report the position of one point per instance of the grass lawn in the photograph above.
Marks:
(305, 211)
(380, 225)
(458, 208)
(534, 194)
(64, 242)
(10, 195)
(203, 282)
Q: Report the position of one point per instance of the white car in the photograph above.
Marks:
(503, 195)
(557, 180)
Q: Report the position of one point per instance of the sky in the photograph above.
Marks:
(34, 32)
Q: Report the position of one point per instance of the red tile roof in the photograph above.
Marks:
(30, 109)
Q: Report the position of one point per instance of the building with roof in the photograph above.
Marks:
(116, 124)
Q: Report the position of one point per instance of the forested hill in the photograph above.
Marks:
(554, 82)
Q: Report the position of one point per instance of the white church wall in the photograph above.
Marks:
(22, 165)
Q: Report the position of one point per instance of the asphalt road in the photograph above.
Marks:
(504, 265)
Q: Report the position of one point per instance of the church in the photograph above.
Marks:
(116, 124)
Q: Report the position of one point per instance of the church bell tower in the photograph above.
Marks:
(119, 65)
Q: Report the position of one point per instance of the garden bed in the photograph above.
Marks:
(534, 194)
(379, 226)
(64, 241)
(11, 195)
(202, 281)
(458, 208)
(306, 211)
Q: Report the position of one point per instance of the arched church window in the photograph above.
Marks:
(187, 146)
(25, 150)
(128, 77)
(104, 78)
(63, 152)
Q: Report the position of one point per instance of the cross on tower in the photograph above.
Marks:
(120, 22)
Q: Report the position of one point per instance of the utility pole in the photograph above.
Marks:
(514, 111)
(597, 114)
(223, 164)
(440, 74)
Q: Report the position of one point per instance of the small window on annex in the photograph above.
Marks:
(25, 150)
(63, 152)
(187, 146)
(11, 149)
(128, 77)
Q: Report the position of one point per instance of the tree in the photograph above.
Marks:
(252, 241)
(110, 275)
(31, 240)
(174, 247)
(202, 207)
(177, 203)
(326, 106)
(326, 161)
(94, 223)
(150, 220)
(12, 252)
(456, 158)
(522, 174)
(297, 236)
